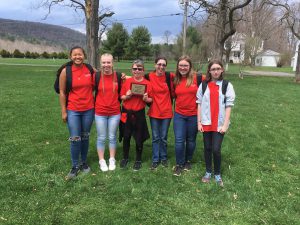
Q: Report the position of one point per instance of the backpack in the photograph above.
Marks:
(168, 81)
(97, 80)
(224, 87)
(68, 67)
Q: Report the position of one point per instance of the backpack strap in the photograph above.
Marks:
(119, 79)
(168, 81)
(204, 86)
(199, 78)
(91, 69)
(97, 80)
(69, 78)
(224, 88)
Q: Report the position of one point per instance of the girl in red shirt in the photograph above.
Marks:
(185, 116)
(107, 112)
(160, 111)
(133, 120)
(214, 109)
(77, 109)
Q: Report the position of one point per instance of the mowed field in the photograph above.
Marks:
(260, 161)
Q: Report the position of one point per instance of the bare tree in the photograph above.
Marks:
(92, 20)
(290, 14)
(167, 35)
(225, 14)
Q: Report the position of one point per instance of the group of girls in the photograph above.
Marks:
(207, 112)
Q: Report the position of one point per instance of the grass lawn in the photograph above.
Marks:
(260, 163)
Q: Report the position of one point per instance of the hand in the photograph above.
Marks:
(128, 94)
(145, 97)
(200, 127)
(64, 116)
(123, 76)
(222, 129)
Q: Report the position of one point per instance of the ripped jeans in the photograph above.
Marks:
(79, 124)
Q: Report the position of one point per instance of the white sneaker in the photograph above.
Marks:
(112, 164)
(103, 165)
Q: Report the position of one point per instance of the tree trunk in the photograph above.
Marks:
(92, 28)
(297, 73)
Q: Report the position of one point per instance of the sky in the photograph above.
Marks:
(131, 13)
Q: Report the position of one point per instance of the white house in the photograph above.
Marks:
(237, 53)
(295, 57)
(267, 58)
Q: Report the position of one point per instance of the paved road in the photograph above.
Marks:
(266, 73)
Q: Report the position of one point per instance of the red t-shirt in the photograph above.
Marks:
(135, 102)
(107, 103)
(186, 98)
(161, 107)
(214, 107)
(81, 95)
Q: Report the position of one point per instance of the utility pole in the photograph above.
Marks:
(186, 2)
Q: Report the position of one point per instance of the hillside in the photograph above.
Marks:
(39, 37)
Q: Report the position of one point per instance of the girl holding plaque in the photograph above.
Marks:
(135, 93)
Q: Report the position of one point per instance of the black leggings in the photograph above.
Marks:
(126, 147)
(212, 147)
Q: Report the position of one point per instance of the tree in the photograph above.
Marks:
(117, 38)
(139, 42)
(18, 54)
(92, 20)
(290, 14)
(5, 54)
(167, 35)
(225, 14)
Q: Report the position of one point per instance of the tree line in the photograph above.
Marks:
(33, 55)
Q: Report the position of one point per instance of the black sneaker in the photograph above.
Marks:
(177, 170)
(84, 167)
(137, 165)
(188, 166)
(73, 172)
(164, 163)
(123, 163)
(154, 165)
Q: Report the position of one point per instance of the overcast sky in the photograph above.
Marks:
(128, 12)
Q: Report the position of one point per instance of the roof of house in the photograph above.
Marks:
(269, 52)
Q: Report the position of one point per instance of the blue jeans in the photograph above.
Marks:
(107, 126)
(160, 129)
(185, 130)
(79, 124)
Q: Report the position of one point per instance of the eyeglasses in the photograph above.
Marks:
(137, 69)
(215, 69)
(183, 65)
(161, 64)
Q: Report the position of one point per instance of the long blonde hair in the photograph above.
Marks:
(112, 70)
(190, 74)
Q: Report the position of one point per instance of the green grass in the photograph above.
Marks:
(260, 163)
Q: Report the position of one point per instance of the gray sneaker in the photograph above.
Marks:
(84, 167)
(73, 172)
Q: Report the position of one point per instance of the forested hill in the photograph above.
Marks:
(40, 34)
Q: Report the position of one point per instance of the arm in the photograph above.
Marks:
(200, 128)
(127, 95)
(225, 126)
(62, 94)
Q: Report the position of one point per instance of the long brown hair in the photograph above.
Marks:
(190, 74)
(212, 62)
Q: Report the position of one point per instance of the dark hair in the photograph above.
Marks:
(212, 62)
(190, 74)
(159, 58)
(77, 47)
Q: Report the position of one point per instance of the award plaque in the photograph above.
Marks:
(138, 89)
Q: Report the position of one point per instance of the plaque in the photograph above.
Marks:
(138, 89)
